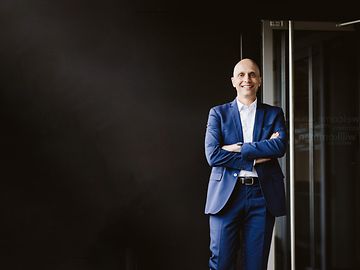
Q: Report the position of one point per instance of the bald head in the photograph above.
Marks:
(246, 62)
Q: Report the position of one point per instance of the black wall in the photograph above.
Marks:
(103, 110)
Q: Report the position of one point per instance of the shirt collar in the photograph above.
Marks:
(241, 106)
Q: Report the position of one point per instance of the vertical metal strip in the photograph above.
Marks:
(268, 97)
(292, 148)
(311, 161)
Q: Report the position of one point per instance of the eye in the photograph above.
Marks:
(252, 75)
(241, 74)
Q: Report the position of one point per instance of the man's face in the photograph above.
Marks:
(246, 79)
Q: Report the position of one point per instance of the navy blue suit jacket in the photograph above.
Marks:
(223, 128)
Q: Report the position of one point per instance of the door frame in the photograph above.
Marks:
(287, 78)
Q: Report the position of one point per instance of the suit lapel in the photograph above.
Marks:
(259, 117)
(236, 119)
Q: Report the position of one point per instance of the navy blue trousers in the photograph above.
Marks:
(245, 214)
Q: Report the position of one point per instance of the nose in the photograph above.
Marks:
(246, 77)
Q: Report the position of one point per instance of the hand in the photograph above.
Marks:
(261, 160)
(275, 135)
(232, 148)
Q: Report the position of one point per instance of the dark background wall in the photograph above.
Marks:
(103, 109)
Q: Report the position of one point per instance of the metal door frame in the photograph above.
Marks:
(268, 26)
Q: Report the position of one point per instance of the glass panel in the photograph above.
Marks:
(301, 98)
(318, 155)
(326, 101)
(341, 123)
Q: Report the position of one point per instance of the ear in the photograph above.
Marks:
(233, 81)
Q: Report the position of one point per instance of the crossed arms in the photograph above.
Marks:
(236, 148)
(244, 157)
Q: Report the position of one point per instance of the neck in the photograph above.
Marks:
(246, 100)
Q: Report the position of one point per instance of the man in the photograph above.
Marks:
(246, 192)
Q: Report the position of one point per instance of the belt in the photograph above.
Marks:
(248, 181)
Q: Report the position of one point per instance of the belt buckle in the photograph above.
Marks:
(249, 184)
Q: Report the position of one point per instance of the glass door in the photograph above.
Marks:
(326, 79)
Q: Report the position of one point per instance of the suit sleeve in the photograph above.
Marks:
(216, 156)
(271, 148)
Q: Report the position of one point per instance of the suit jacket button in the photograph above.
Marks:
(235, 174)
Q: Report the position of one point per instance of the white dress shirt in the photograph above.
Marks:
(247, 115)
